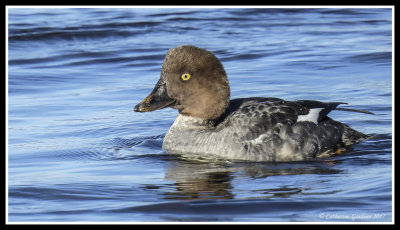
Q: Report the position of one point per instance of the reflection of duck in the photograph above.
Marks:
(194, 82)
(209, 181)
(195, 180)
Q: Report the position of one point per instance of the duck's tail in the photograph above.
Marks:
(351, 136)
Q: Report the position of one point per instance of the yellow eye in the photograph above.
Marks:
(185, 76)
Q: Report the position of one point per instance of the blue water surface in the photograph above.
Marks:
(78, 152)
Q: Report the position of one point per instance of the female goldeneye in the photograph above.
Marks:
(194, 82)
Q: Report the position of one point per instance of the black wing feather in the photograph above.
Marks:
(327, 107)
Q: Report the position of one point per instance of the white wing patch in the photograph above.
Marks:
(311, 116)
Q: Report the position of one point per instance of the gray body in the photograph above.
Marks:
(262, 129)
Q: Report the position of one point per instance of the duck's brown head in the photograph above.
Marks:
(193, 81)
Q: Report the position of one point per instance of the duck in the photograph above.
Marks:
(259, 129)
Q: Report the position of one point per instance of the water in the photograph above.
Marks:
(78, 152)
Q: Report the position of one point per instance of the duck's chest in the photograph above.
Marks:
(190, 135)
